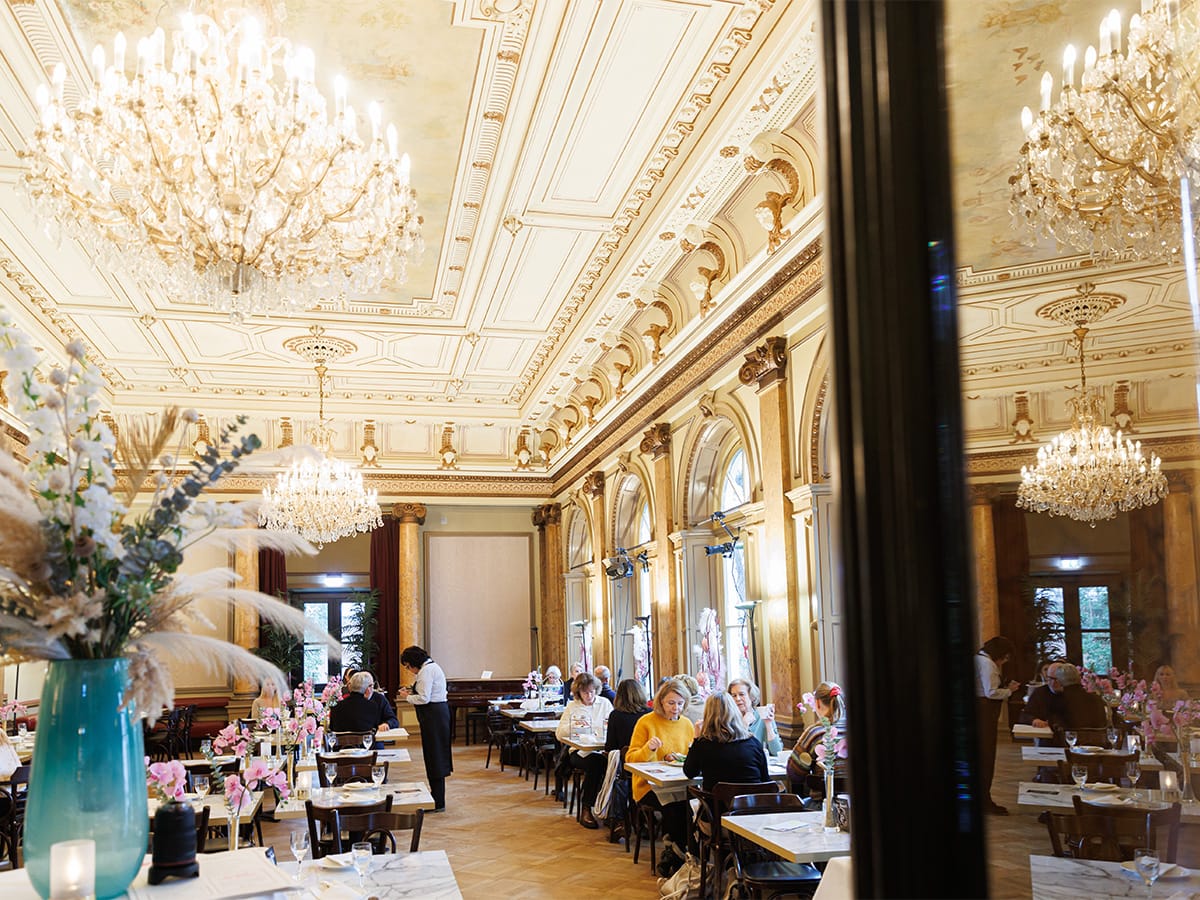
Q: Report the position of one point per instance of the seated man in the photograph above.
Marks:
(1079, 707)
(364, 708)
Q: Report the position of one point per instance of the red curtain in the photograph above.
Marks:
(272, 573)
(385, 580)
(1012, 584)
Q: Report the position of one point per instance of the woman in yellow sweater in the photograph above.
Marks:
(664, 736)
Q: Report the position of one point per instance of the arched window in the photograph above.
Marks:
(644, 532)
(735, 481)
(633, 530)
(735, 490)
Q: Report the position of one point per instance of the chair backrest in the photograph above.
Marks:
(754, 804)
(349, 740)
(1157, 828)
(216, 773)
(723, 794)
(380, 827)
(1105, 767)
(1090, 837)
(535, 715)
(1087, 737)
(323, 836)
(350, 769)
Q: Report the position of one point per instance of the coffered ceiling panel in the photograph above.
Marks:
(483, 441)
(118, 338)
(498, 356)
(539, 275)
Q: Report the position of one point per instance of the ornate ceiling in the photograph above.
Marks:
(555, 146)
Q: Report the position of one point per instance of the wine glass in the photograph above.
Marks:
(1133, 770)
(331, 771)
(22, 730)
(367, 740)
(205, 747)
(377, 773)
(1072, 738)
(299, 841)
(361, 853)
(1079, 775)
(201, 786)
(1111, 734)
(331, 741)
(1146, 862)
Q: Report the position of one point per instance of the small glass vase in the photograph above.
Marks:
(235, 827)
(88, 776)
(1187, 792)
(830, 812)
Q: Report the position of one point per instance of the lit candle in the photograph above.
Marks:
(1069, 66)
(1147, 5)
(1047, 87)
(376, 115)
(1168, 781)
(339, 94)
(1114, 26)
(1089, 59)
(98, 62)
(393, 140)
(119, 52)
(1026, 119)
(72, 870)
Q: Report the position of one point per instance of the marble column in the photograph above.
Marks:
(245, 621)
(787, 622)
(411, 517)
(1179, 537)
(665, 612)
(552, 640)
(598, 615)
(983, 537)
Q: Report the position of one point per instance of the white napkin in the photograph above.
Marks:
(787, 826)
(336, 890)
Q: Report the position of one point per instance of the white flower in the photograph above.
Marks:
(190, 416)
(58, 377)
(76, 350)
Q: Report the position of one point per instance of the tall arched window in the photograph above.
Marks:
(633, 530)
(735, 481)
(735, 490)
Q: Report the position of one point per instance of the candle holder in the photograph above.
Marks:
(73, 870)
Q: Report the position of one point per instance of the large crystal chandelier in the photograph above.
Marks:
(1100, 167)
(321, 501)
(1088, 473)
(213, 165)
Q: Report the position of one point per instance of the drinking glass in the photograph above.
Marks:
(1133, 770)
(1146, 861)
(331, 741)
(205, 747)
(377, 774)
(201, 785)
(1072, 738)
(299, 841)
(368, 740)
(361, 852)
(1079, 775)
(1111, 734)
(22, 730)
(331, 773)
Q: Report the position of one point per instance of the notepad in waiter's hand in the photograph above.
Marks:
(787, 826)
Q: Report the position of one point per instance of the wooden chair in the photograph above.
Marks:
(502, 734)
(1108, 768)
(711, 837)
(759, 872)
(352, 740)
(1086, 737)
(14, 797)
(379, 828)
(216, 776)
(350, 769)
(162, 742)
(1075, 836)
(322, 821)
(1156, 828)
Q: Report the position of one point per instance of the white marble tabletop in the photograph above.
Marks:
(540, 726)
(585, 742)
(1069, 879)
(1029, 732)
(426, 875)
(407, 797)
(1033, 795)
(1049, 755)
(393, 757)
(804, 839)
(660, 774)
(218, 813)
(522, 713)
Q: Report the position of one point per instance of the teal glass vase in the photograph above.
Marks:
(88, 777)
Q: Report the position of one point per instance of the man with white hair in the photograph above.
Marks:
(364, 708)
(606, 691)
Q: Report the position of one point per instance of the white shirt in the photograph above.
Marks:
(987, 678)
(429, 686)
(597, 714)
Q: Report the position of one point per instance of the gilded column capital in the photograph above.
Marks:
(593, 484)
(1182, 481)
(765, 364)
(657, 440)
(547, 514)
(408, 513)
(982, 494)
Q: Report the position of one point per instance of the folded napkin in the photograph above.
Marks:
(787, 826)
(336, 890)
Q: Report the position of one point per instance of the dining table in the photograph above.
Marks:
(794, 836)
(1049, 756)
(583, 742)
(391, 756)
(1034, 795)
(1022, 732)
(218, 813)
(1055, 878)
(391, 876)
(522, 713)
(539, 726)
(670, 783)
(407, 797)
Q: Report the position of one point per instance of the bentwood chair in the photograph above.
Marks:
(14, 797)
(322, 822)
(379, 828)
(711, 837)
(1132, 827)
(1075, 836)
(1108, 767)
(352, 740)
(759, 872)
(350, 770)
(502, 735)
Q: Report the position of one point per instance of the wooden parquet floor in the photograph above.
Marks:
(506, 840)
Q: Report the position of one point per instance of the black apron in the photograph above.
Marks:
(434, 719)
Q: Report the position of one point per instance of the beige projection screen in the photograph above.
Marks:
(480, 593)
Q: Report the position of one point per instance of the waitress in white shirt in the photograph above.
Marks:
(990, 696)
(428, 697)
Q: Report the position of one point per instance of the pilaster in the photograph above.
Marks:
(987, 589)
(666, 611)
(245, 621)
(1179, 538)
(599, 615)
(552, 635)
(411, 517)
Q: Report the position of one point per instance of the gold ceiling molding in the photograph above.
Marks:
(795, 282)
(703, 90)
(1176, 448)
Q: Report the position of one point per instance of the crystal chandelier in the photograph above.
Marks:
(1100, 167)
(215, 167)
(320, 501)
(1088, 473)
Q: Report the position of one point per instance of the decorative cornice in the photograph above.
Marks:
(983, 494)
(794, 283)
(657, 440)
(814, 437)
(1181, 481)
(449, 484)
(593, 484)
(409, 513)
(766, 364)
(1176, 448)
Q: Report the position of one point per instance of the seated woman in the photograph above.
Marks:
(552, 686)
(588, 712)
(694, 711)
(664, 735)
(802, 764)
(268, 698)
(724, 749)
(746, 695)
(628, 707)
(1172, 693)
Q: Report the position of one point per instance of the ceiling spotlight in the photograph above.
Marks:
(619, 566)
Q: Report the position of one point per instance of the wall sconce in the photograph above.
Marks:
(449, 456)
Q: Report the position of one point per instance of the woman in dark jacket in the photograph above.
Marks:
(725, 750)
(628, 707)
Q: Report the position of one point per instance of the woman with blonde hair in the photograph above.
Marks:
(268, 698)
(724, 749)
(664, 735)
